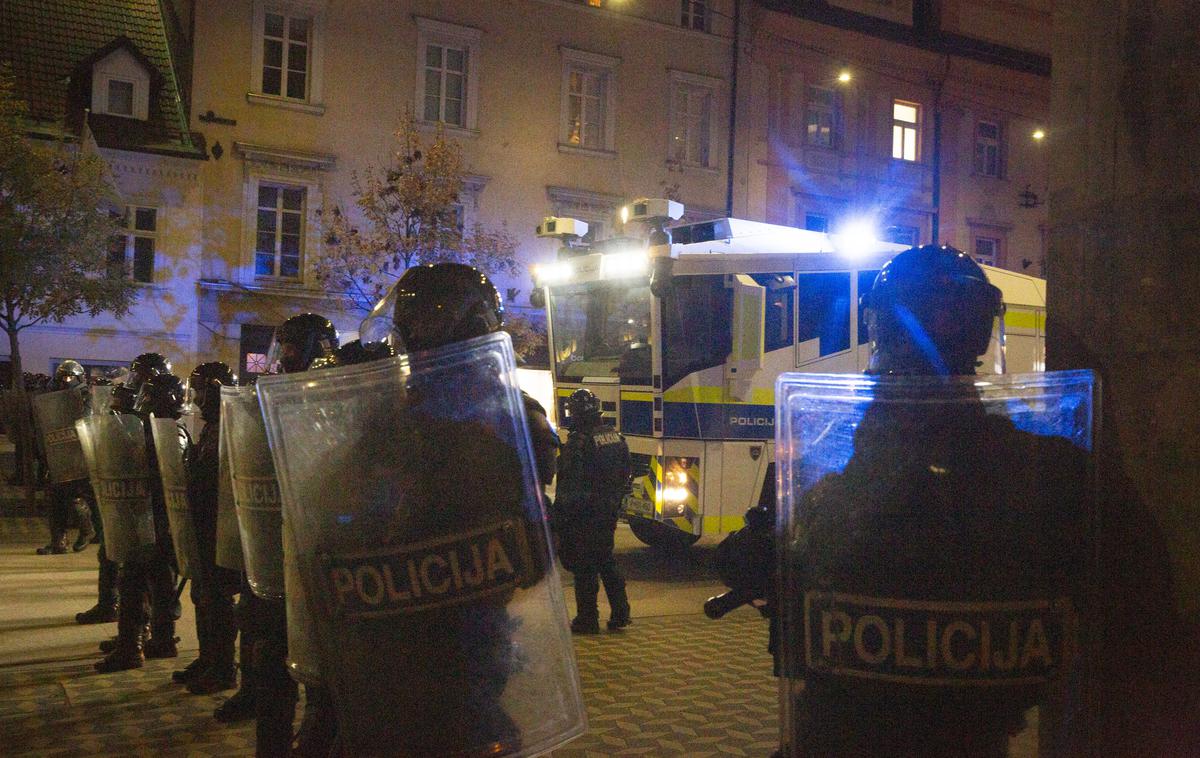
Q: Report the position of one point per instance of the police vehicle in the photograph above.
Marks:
(686, 368)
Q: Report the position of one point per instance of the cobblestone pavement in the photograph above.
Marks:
(668, 685)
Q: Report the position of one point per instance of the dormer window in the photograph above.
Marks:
(120, 97)
(121, 85)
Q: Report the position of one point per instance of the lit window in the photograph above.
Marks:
(447, 78)
(820, 112)
(691, 124)
(279, 231)
(286, 45)
(120, 97)
(987, 149)
(906, 130)
(987, 250)
(586, 100)
(135, 245)
(694, 14)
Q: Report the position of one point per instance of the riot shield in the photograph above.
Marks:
(56, 413)
(302, 661)
(120, 476)
(255, 491)
(423, 552)
(169, 445)
(99, 399)
(229, 538)
(934, 548)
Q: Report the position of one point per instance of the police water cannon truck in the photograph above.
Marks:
(681, 336)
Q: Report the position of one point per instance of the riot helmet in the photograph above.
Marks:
(583, 410)
(435, 305)
(204, 387)
(145, 366)
(355, 352)
(162, 395)
(930, 311)
(299, 341)
(68, 375)
(123, 399)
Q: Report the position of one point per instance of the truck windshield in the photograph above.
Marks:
(602, 330)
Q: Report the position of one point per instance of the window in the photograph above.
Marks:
(866, 280)
(120, 97)
(824, 310)
(903, 235)
(815, 222)
(906, 131)
(694, 14)
(586, 99)
(286, 62)
(820, 116)
(447, 79)
(987, 250)
(987, 149)
(121, 85)
(279, 231)
(780, 309)
(691, 119)
(696, 314)
(132, 251)
(285, 55)
(588, 118)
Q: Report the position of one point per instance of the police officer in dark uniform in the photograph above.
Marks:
(593, 476)
(935, 517)
(460, 657)
(150, 576)
(108, 600)
(299, 342)
(213, 587)
(145, 366)
(75, 497)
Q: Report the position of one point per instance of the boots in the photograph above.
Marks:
(127, 650)
(97, 614)
(584, 625)
(162, 641)
(57, 545)
(196, 667)
(107, 646)
(87, 532)
(241, 706)
(216, 649)
(318, 728)
(188, 672)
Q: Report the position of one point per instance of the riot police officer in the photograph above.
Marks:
(298, 343)
(460, 658)
(213, 587)
(150, 576)
(145, 366)
(931, 581)
(70, 497)
(593, 476)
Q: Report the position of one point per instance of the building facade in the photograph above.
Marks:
(257, 114)
(561, 108)
(922, 121)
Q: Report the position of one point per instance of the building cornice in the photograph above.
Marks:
(282, 156)
(578, 7)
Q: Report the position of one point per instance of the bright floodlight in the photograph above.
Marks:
(1039, 134)
(856, 238)
(844, 77)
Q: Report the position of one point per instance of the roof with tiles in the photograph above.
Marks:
(48, 43)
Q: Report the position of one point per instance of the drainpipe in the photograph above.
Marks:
(733, 82)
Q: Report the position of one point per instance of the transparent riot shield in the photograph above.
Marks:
(99, 399)
(121, 480)
(934, 547)
(56, 414)
(229, 537)
(169, 444)
(255, 491)
(423, 551)
(302, 661)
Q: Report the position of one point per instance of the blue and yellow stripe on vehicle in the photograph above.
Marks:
(637, 412)
(709, 413)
